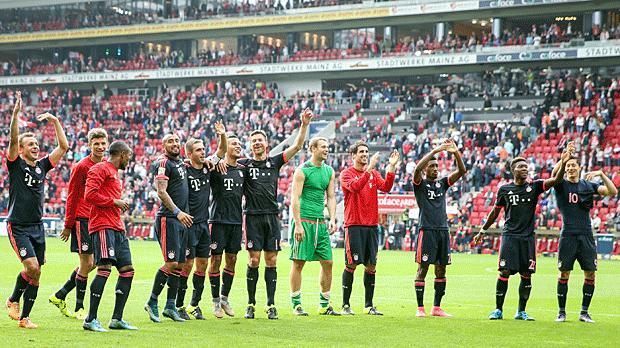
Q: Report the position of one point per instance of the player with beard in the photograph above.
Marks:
(313, 183)
(433, 234)
(171, 224)
(104, 190)
(518, 244)
(575, 199)
(360, 185)
(227, 184)
(77, 212)
(27, 173)
(262, 226)
(199, 240)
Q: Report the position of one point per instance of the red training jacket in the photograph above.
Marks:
(102, 187)
(361, 206)
(77, 206)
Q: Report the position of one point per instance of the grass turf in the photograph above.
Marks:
(470, 297)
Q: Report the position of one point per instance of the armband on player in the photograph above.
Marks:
(215, 159)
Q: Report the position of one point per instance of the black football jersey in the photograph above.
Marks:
(519, 203)
(575, 201)
(431, 199)
(26, 190)
(261, 184)
(227, 195)
(175, 171)
(199, 181)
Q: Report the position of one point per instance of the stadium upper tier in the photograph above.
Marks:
(546, 36)
(319, 63)
(127, 20)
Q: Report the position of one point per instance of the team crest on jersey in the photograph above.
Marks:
(171, 254)
(250, 244)
(425, 257)
(502, 263)
(84, 247)
(23, 252)
(38, 170)
(528, 189)
(241, 174)
(213, 246)
(204, 170)
(437, 185)
(111, 252)
(268, 164)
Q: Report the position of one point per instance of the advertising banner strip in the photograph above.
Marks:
(325, 66)
(512, 3)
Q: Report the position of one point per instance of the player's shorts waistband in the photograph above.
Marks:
(81, 219)
(314, 221)
(21, 224)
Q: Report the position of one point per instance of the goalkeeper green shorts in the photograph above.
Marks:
(316, 244)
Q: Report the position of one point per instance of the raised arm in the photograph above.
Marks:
(393, 163)
(14, 132)
(298, 186)
(570, 146)
(61, 138)
(222, 146)
(331, 203)
(417, 173)
(291, 151)
(608, 188)
(461, 170)
(559, 174)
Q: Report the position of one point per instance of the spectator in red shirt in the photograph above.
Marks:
(360, 184)
(111, 246)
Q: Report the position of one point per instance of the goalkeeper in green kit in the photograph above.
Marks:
(313, 182)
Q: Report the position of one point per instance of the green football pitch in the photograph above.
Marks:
(470, 297)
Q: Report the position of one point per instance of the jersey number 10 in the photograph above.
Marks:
(573, 198)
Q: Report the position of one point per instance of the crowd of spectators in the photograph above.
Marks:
(100, 14)
(260, 53)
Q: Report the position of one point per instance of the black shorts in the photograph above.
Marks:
(111, 248)
(517, 254)
(361, 245)
(27, 241)
(199, 240)
(262, 232)
(433, 247)
(172, 238)
(225, 238)
(81, 241)
(581, 248)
